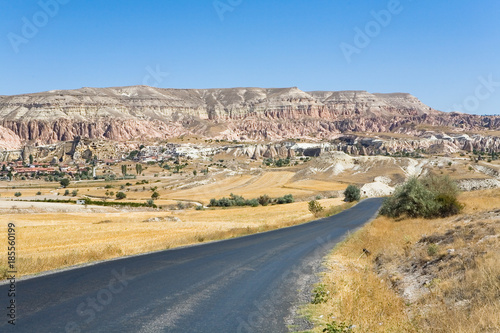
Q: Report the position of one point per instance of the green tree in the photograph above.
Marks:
(138, 168)
(155, 195)
(64, 182)
(120, 195)
(31, 159)
(124, 169)
(352, 193)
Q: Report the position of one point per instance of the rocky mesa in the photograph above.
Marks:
(125, 113)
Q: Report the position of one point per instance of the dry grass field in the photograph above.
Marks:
(274, 184)
(172, 189)
(420, 276)
(47, 241)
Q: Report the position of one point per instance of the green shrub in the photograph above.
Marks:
(264, 200)
(448, 205)
(285, 199)
(120, 195)
(315, 207)
(335, 327)
(238, 200)
(253, 202)
(352, 193)
(18, 194)
(432, 249)
(430, 197)
(320, 295)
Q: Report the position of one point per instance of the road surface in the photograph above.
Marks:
(248, 284)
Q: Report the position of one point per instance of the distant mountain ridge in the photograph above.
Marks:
(125, 113)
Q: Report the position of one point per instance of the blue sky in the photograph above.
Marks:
(445, 53)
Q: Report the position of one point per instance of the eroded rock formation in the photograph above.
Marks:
(126, 113)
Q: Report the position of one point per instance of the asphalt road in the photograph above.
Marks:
(247, 284)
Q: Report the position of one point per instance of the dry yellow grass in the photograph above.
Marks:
(274, 184)
(316, 185)
(48, 241)
(480, 200)
(357, 295)
(447, 281)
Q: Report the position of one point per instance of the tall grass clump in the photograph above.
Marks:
(430, 197)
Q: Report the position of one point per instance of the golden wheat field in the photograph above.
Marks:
(275, 184)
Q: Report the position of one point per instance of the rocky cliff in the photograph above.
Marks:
(125, 113)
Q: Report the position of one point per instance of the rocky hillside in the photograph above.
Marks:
(125, 113)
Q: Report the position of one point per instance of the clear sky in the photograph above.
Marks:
(447, 53)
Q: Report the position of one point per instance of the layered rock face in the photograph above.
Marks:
(126, 113)
(8, 139)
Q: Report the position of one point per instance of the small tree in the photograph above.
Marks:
(138, 168)
(155, 195)
(64, 182)
(124, 169)
(18, 194)
(315, 207)
(120, 195)
(352, 193)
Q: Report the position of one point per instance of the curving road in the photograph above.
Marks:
(247, 284)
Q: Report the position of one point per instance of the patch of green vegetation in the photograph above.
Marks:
(237, 200)
(430, 197)
(352, 193)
